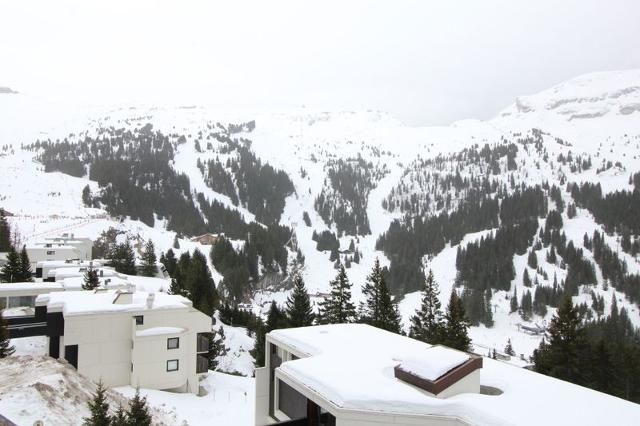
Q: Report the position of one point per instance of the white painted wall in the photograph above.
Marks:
(108, 346)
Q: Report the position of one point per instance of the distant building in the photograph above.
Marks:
(206, 239)
(357, 375)
(64, 247)
(151, 340)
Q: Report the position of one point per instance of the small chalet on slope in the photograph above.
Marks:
(357, 375)
(124, 337)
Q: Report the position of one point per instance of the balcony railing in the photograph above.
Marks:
(202, 364)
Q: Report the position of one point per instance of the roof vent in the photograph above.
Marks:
(150, 298)
(441, 372)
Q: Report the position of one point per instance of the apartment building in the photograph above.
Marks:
(357, 375)
(127, 337)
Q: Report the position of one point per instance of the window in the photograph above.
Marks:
(173, 343)
(51, 252)
(172, 365)
(139, 319)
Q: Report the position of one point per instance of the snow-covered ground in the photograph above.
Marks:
(597, 114)
(229, 400)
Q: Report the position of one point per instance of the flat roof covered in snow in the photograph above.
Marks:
(352, 366)
(102, 301)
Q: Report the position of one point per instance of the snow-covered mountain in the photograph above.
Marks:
(346, 169)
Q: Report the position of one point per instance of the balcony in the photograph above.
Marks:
(202, 342)
(202, 364)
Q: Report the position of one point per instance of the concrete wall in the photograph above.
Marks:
(108, 347)
(104, 346)
(38, 254)
(262, 396)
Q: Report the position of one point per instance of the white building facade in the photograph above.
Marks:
(150, 340)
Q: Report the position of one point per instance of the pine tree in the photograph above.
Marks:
(119, 418)
(514, 300)
(561, 357)
(169, 261)
(91, 280)
(427, 324)
(5, 233)
(525, 278)
(509, 348)
(200, 284)
(6, 348)
(99, 408)
(176, 243)
(216, 348)
(26, 274)
(86, 196)
(456, 327)
(379, 310)
(259, 347)
(276, 318)
(337, 308)
(298, 308)
(532, 260)
(11, 269)
(149, 260)
(138, 413)
(124, 259)
(526, 306)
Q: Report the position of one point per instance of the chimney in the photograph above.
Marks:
(150, 298)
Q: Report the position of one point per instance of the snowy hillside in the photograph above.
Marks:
(594, 118)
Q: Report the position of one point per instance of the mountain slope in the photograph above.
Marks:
(366, 167)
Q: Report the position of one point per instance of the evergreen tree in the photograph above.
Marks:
(298, 308)
(6, 348)
(514, 300)
(119, 418)
(99, 409)
(379, 310)
(276, 318)
(149, 260)
(176, 243)
(456, 327)
(5, 233)
(509, 348)
(170, 262)
(562, 356)
(337, 308)
(91, 280)
(11, 270)
(526, 306)
(216, 348)
(551, 256)
(525, 278)
(427, 324)
(124, 259)
(259, 347)
(26, 274)
(200, 284)
(86, 196)
(138, 413)
(532, 260)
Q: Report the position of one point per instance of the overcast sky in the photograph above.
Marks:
(425, 62)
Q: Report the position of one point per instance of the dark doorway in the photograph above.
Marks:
(71, 355)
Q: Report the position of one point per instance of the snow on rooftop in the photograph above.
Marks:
(88, 302)
(352, 365)
(159, 331)
(433, 362)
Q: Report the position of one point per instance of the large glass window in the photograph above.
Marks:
(172, 365)
(291, 402)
